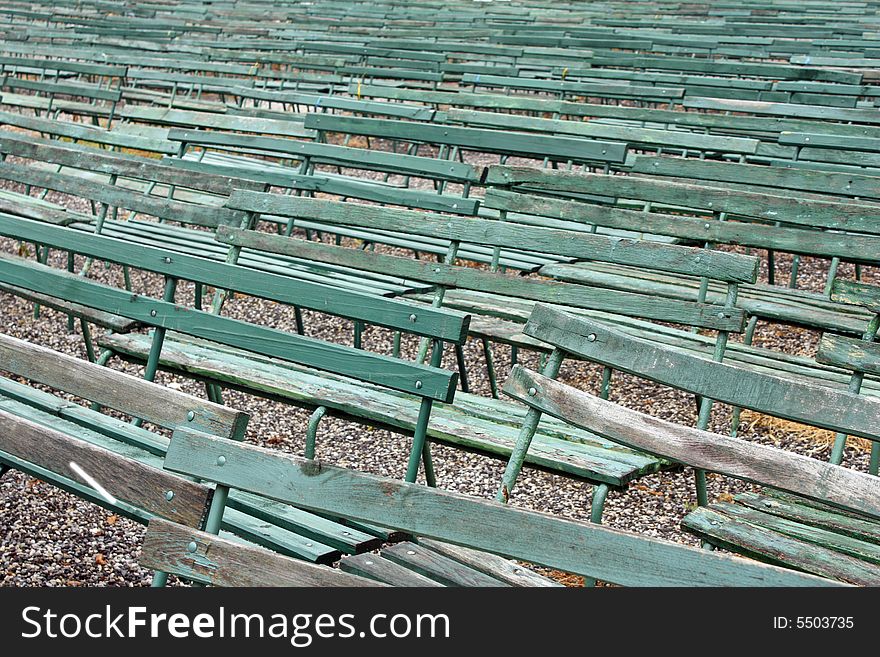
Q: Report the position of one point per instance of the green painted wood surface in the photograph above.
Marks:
(760, 543)
(769, 207)
(821, 406)
(125, 393)
(443, 324)
(437, 566)
(592, 550)
(850, 353)
(420, 380)
(580, 150)
(223, 562)
(380, 569)
(93, 160)
(625, 134)
(469, 278)
(117, 196)
(473, 423)
(752, 462)
(723, 266)
(856, 293)
(754, 175)
(789, 240)
(333, 154)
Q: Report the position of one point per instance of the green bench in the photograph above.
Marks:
(812, 516)
(43, 432)
(704, 215)
(467, 522)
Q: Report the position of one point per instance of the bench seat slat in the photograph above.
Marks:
(758, 542)
(580, 456)
(437, 566)
(222, 562)
(380, 569)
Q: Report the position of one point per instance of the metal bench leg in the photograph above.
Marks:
(875, 458)
(490, 367)
(747, 340)
(462, 368)
(312, 431)
(87, 339)
(428, 461)
(597, 506)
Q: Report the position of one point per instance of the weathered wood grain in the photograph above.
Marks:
(223, 562)
(444, 324)
(125, 479)
(373, 566)
(817, 405)
(753, 462)
(583, 548)
(491, 564)
(123, 392)
(850, 353)
(579, 296)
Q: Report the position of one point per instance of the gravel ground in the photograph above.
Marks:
(50, 538)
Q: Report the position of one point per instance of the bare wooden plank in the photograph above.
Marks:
(120, 391)
(583, 548)
(223, 562)
(375, 567)
(817, 405)
(437, 566)
(125, 479)
(491, 564)
(753, 462)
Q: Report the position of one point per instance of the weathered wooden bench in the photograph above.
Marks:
(470, 523)
(806, 516)
(278, 355)
(804, 226)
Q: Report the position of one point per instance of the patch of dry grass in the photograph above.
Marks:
(803, 432)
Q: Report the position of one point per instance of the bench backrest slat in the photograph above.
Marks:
(719, 266)
(753, 462)
(820, 406)
(609, 554)
(420, 380)
(125, 479)
(442, 324)
(514, 143)
(122, 392)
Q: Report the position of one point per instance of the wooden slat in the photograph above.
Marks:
(461, 277)
(850, 353)
(437, 566)
(817, 405)
(444, 324)
(418, 379)
(375, 567)
(222, 562)
(729, 533)
(491, 564)
(521, 144)
(125, 479)
(576, 244)
(123, 392)
(583, 548)
(857, 294)
(701, 449)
